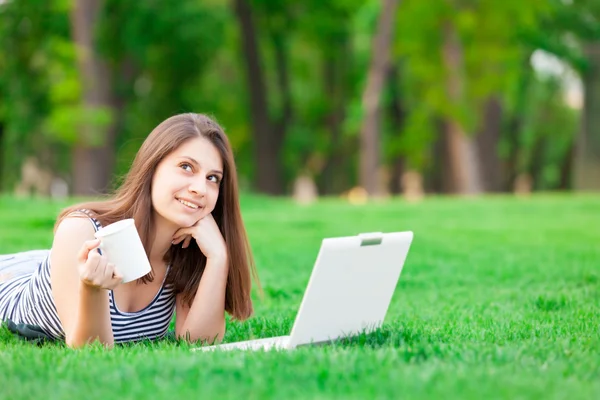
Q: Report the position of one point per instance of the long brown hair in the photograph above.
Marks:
(133, 200)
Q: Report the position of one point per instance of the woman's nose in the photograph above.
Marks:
(198, 186)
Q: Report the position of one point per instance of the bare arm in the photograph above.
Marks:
(205, 319)
(83, 309)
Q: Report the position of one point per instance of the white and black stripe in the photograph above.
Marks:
(28, 299)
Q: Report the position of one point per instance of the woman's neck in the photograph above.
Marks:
(162, 241)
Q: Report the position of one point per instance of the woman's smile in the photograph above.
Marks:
(189, 206)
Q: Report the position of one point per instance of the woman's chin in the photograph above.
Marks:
(183, 223)
(189, 221)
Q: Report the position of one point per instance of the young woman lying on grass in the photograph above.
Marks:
(182, 192)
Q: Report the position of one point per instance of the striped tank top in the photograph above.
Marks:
(28, 299)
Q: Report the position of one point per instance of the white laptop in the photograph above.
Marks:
(348, 293)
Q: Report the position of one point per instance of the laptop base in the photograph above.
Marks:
(272, 343)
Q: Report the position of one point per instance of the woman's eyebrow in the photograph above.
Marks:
(190, 159)
(198, 164)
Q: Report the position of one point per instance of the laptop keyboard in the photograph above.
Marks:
(278, 342)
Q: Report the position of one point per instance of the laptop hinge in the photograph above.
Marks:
(370, 239)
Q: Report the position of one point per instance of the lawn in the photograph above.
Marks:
(499, 298)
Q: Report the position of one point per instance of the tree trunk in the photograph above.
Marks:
(437, 179)
(330, 88)
(285, 118)
(334, 178)
(462, 161)
(369, 172)
(536, 163)
(566, 169)
(587, 153)
(267, 174)
(514, 125)
(397, 116)
(461, 149)
(487, 143)
(93, 154)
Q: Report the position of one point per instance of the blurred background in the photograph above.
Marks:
(319, 97)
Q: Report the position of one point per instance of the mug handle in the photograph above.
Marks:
(100, 247)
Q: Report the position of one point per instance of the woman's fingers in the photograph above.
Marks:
(108, 272)
(186, 239)
(83, 254)
(92, 264)
(181, 233)
(115, 279)
(94, 268)
(103, 276)
(100, 270)
(97, 272)
(117, 275)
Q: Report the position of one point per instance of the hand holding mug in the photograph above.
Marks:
(122, 246)
(94, 269)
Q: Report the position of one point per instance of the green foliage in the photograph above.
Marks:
(158, 59)
(565, 27)
(34, 36)
(490, 52)
(166, 60)
(548, 133)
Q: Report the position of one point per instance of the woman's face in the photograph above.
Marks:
(185, 186)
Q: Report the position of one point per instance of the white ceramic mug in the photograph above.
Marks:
(121, 244)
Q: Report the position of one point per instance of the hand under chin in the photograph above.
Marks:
(195, 220)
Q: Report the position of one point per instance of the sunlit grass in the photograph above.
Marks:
(499, 298)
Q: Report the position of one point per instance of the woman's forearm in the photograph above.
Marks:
(206, 317)
(93, 319)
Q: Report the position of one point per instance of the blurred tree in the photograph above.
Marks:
(518, 109)
(297, 75)
(158, 56)
(35, 36)
(397, 117)
(462, 154)
(460, 90)
(487, 141)
(318, 145)
(268, 134)
(571, 32)
(154, 64)
(305, 91)
(370, 152)
(331, 33)
(547, 137)
(587, 150)
(94, 149)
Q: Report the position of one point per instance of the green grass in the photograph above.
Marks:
(499, 298)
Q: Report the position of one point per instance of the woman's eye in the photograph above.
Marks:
(186, 165)
(214, 178)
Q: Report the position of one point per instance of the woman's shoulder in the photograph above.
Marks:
(75, 227)
(89, 217)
